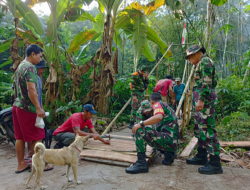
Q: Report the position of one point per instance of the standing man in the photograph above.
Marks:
(65, 134)
(204, 101)
(165, 87)
(178, 91)
(26, 107)
(163, 136)
(40, 70)
(138, 85)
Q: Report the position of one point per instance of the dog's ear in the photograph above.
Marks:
(77, 135)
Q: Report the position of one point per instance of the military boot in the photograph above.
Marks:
(169, 158)
(213, 167)
(200, 158)
(140, 166)
(131, 125)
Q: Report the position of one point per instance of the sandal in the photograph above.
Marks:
(45, 170)
(27, 168)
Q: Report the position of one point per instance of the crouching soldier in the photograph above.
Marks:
(163, 136)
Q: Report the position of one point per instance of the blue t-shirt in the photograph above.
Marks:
(39, 90)
(179, 90)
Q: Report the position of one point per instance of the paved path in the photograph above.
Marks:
(105, 177)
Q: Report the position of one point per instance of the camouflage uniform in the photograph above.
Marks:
(26, 72)
(137, 89)
(204, 89)
(163, 136)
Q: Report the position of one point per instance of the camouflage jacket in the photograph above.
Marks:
(205, 77)
(169, 123)
(26, 72)
(137, 83)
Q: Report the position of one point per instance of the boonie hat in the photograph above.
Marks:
(90, 108)
(145, 106)
(144, 68)
(194, 49)
(178, 79)
(41, 65)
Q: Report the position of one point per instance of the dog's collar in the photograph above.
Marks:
(77, 149)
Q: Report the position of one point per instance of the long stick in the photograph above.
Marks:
(185, 90)
(184, 72)
(109, 126)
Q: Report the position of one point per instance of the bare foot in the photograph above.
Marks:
(22, 166)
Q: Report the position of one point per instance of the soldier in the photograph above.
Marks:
(139, 82)
(163, 136)
(204, 102)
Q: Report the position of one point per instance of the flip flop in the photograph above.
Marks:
(45, 170)
(28, 161)
(27, 168)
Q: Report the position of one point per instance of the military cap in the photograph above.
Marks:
(194, 49)
(144, 68)
(145, 106)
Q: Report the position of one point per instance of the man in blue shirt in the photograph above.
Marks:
(178, 91)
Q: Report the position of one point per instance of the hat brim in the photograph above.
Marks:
(93, 112)
(148, 109)
(42, 67)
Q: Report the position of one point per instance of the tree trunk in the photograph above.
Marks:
(225, 47)
(246, 74)
(210, 24)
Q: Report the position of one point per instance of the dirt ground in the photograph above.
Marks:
(101, 177)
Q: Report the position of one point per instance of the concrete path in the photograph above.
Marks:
(104, 177)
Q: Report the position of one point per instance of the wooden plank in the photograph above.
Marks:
(118, 151)
(235, 143)
(190, 147)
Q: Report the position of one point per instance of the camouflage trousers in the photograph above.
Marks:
(155, 139)
(204, 123)
(135, 105)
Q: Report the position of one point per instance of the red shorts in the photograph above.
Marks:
(24, 125)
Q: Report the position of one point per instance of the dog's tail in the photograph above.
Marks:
(40, 148)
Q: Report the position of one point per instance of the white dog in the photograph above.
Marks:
(65, 156)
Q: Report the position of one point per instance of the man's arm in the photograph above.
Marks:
(32, 93)
(102, 140)
(94, 135)
(152, 120)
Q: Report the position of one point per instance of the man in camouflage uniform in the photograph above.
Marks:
(204, 102)
(163, 136)
(138, 81)
(26, 106)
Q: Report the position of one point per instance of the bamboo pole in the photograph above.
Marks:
(190, 98)
(109, 126)
(185, 90)
(184, 119)
(184, 72)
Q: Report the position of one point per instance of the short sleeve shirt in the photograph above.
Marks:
(75, 120)
(26, 72)
(164, 83)
(179, 91)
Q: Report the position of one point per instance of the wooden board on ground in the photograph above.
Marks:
(189, 148)
(119, 151)
(235, 143)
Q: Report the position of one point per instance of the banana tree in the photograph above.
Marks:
(110, 24)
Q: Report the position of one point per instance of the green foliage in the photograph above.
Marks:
(233, 95)
(235, 127)
(5, 89)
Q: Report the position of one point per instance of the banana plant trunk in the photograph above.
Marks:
(103, 83)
